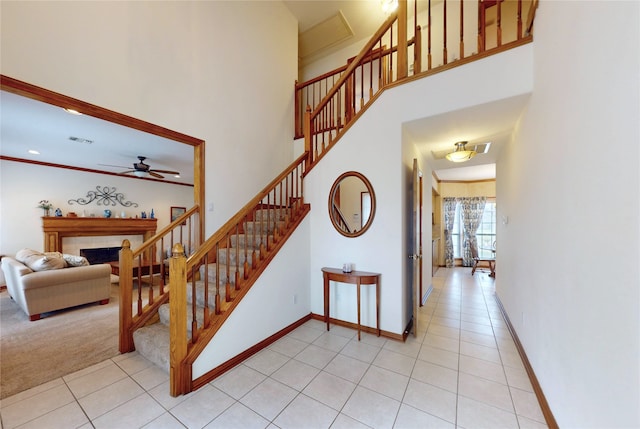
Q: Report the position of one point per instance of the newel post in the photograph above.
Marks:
(126, 288)
(178, 319)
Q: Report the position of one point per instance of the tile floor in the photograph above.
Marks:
(461, 371)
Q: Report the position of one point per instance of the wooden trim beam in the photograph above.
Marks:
(18, 87)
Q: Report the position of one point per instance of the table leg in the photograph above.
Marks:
(378, 305)
(358, 294)
(326, 300)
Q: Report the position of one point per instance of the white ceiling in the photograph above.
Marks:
(28, 124)
(492, 122)
(363, 18)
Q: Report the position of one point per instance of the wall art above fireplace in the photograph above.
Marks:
(105, 196)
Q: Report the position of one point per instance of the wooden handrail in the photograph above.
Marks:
(222, 271)
(326, 123)
(341, 218)
(317, 79)
(356, 62)
(217, 236)
(148, 263)
(167, 229)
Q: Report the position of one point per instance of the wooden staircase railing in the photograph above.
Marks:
(148, 267)
(226, 265)
(327, 105)
(340, 218)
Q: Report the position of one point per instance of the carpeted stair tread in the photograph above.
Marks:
(251, 241)
(152, 342)
(234, 254)
(264, 227)
(211, 273)
(200, 293)
(275, 213)
(164, 311)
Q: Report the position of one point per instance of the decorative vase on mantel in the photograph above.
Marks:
(46, 212)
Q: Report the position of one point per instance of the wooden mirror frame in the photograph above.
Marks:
(334, 215)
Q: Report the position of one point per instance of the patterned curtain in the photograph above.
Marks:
(471, 210)
(449, 216)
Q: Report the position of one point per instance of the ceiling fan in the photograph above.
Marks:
(140, 169)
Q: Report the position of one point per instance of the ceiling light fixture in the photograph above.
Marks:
(389, 6)
(461, 154)
(72, 111)
(140, 173)
(34, 152)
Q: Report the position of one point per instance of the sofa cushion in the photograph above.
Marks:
(38, 261)
(75, 260)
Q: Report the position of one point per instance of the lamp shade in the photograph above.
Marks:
(461, 154)
(140, 173)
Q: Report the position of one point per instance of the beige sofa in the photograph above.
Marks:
(50, 289)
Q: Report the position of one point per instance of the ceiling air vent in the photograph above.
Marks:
(80, 140)
(329, 32)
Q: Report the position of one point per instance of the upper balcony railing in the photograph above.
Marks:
(456, 33)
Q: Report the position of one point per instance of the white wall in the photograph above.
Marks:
(196, 67)
(569, 181)
(193, 67)
(370, 147)
(23, 186)
(273, 303)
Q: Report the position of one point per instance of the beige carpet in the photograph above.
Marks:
(62, 342)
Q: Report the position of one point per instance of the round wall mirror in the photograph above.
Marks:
(352, 204)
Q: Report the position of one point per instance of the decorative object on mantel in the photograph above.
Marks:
(143, 215)
(58, 212)
(46, 206)
(106, 196)
(152, 216)
(107, 213)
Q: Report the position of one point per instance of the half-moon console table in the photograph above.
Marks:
(357, 278)
(56, 228)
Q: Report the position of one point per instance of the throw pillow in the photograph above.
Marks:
(39, 261)
(74, 260)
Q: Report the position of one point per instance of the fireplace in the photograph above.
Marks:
(57, 228)
(101, 255)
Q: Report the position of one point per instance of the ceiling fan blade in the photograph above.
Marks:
(154, 174)
(165, 171)
(127, 172)
(111, 165)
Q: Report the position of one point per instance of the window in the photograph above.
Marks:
(486, 233)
